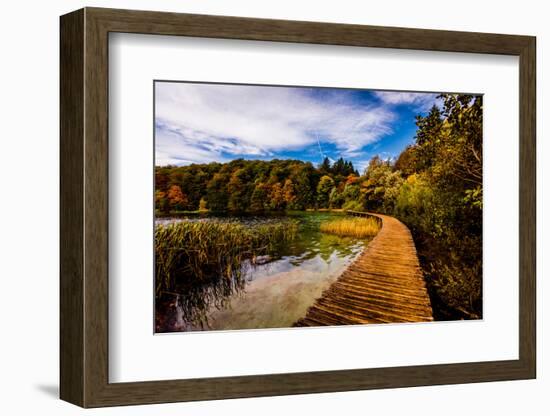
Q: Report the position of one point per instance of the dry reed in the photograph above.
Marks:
(352, 227)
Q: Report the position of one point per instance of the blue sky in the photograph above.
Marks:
(201, 123)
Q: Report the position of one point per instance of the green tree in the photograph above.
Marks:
(336, 199)
(324, 167)
(236, 189)
(216, 193)
(351, 192)
(442, 203)
(427, 134)
(323, 191)
(304, 179)
(461, 145)
(258, 201)
(373, 186)
(161, 178)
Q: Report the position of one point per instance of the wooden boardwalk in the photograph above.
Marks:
(384, 284)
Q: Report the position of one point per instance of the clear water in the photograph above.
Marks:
(279, 291)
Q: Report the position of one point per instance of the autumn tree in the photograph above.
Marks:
(289, 194)
(176, 198)
(203, 205)
(276, 197)
(406, 162)
(161, 202)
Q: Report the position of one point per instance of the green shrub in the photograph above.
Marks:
(353, 206)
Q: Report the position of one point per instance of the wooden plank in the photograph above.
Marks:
(384, 285)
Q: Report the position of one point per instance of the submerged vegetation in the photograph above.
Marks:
(199, 264)
(352, 227)
(434, 187)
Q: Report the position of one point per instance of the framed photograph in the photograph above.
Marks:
(255, 207)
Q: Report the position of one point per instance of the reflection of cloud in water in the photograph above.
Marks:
(316, 264)
(281, 292)
(280, 288)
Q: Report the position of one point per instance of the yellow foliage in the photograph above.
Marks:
(412, 179)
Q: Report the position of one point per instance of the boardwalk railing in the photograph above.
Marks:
(384, 284)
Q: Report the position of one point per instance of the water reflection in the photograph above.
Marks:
(280, 288)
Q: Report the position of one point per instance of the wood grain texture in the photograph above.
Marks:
(384, 285)
(527, 208)
(84, 207)
(227, 27)
(71, 100)
(96, 209)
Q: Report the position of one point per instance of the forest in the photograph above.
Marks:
(434, 186)
(255, 186)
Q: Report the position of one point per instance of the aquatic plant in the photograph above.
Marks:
(200, 264)
(352, 227)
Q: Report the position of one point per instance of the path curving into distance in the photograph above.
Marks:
(383, 285)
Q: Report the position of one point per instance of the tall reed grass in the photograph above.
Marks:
(201, 263)
(353, 227)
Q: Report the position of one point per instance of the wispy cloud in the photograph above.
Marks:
(183, 147)
(420, 101)
(207, 122)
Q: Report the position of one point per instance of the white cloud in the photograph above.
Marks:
(421, 101)
(200, 122)
(361, 165)
(174, 148)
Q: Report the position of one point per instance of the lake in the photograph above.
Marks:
(281, 288)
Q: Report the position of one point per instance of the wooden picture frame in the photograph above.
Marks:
(84, 207)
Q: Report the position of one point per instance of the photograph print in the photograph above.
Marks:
(293, 206)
